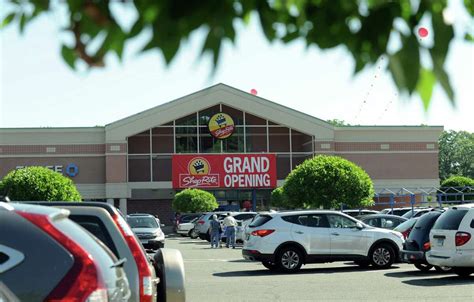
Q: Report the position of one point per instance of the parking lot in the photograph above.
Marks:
(223, 275)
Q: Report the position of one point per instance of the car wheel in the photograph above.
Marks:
(289, 259)
(463, 271)
(443, 269)
(382, 256)
(424, 267)
(271, 266)
(362, 263)
(193, 234)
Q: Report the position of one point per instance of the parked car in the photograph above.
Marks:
(106, 222)
(418, 243)
(184, 218)
(46, 256)
(417, 212)
(359, 212)
(396, 211)
(204, 223)
(406, 227)
(384, 221)
(451, 240)
(287, 240)
(239, 217)
(147, 228)
(187, 228)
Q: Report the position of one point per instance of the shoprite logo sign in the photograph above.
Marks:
(224, 171)
(221, 125)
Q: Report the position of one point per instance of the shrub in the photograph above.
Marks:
(194, 200)
(328, 181)
(39, 184)
(458, 181)
(279, 199)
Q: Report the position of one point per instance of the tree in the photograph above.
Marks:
(328, 181)
(39, 184)
(362, 27)
(279, 199)
(194, 200)
(456, 154)
(338, 123)
(458, 181)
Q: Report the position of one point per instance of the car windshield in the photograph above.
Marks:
(142, 222)
(406, 225)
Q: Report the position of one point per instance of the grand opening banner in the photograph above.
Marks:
(224, 171)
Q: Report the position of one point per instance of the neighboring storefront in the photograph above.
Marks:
(236, 145)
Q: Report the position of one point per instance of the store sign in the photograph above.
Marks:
(71, 170)
(224, 171)
(221, 125)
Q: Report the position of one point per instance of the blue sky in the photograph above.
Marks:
(37, 89)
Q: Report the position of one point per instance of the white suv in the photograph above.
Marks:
(284, 241)
(451, 240)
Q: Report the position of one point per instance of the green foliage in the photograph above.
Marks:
(279, 199)
(363, 27)
(456, 154)
(328, 181)
(458, 181)
(39, 184)
(338, 123)
(194, 200)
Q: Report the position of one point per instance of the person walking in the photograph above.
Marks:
(215, 232)
(230, 224)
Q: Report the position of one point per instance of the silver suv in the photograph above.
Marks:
(148, 230)
(285, 241)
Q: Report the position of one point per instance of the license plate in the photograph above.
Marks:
(405, 257)
(439, 242)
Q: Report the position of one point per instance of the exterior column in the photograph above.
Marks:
(110, 201)
(123, 205)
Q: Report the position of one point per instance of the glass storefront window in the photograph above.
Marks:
(299, 158)
(256, 139)
(139, 168)
(301, 142)
(139, 143)
(162, 168)
(162, 140)
(283, 165)
(206, 114)
(254, 120)
(237, 115)
(279, 139)
(234, 143)
(186, 139)
(189, 120)
(208, 144)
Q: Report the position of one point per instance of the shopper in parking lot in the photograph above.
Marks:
(215, 232)
(230, 223)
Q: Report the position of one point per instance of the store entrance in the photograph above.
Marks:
(242, 199)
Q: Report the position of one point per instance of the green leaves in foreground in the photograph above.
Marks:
(364, 28)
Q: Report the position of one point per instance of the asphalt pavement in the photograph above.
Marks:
(223, 275)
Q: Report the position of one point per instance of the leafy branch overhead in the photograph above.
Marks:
(363, 27)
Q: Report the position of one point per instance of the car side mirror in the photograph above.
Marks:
(359, 226)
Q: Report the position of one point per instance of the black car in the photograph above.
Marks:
(418, 242)
(46, 256)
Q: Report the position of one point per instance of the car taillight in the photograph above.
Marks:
(83, 281)
(462, 238)
(144, 273)
(201, 222)
(262, 233)
(427, 246)
(406, 233)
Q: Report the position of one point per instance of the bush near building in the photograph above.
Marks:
(39, 184)
(328, 181)
(458, 181)
(279, 199)
(194, 200)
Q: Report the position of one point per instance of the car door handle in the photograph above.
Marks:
(335, 234)
(299, 232)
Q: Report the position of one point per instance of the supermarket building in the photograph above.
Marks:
(234, 144)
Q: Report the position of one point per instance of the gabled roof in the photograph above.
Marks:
(218, 94)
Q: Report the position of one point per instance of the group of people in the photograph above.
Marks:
(230, 225)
